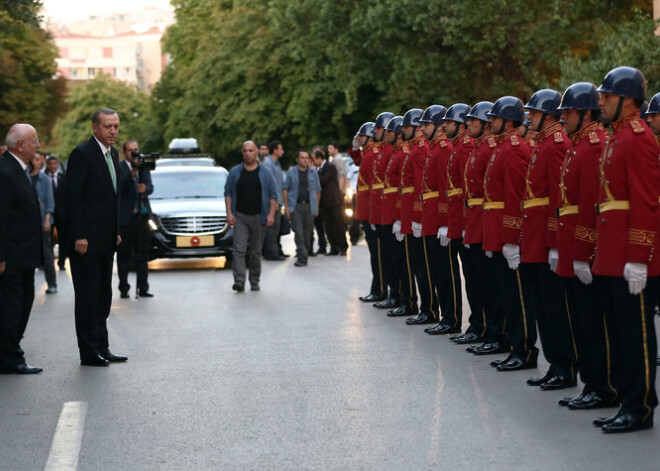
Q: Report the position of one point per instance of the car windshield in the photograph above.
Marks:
(202, 184)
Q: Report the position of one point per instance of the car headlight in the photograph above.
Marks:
(349, 212)
(152, 225)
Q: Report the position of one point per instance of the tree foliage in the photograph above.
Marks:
(310, 71)
(28, 92)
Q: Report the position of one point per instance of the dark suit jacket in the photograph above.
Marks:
(129, 193)
(20, 218)
(91, 202)
(60, 198)
(331, 195)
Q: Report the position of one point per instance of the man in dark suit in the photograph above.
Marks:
(332, 200)
(92, 233)
(20, 246)
(133, 221)
(57, 180)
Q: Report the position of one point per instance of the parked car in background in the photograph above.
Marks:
(185, 151)
(350, 200)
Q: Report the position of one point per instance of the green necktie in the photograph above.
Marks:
(111, 168)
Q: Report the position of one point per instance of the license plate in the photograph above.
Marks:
(194, 241)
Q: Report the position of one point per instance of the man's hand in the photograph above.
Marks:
(512, 254)
(442, 235)
(635, 274)
(270, 220)
(81, 246)
(287, 213)
(118, 239)
(142, 187)
(231, 220)
(3, 265)
(46, 226)
(583, 271)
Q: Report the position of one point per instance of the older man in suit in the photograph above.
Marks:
(20, 246)
(93, 219)
(331, 205)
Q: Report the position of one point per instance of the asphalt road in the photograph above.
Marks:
(300, 375)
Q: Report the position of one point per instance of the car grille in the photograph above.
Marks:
(193, 224)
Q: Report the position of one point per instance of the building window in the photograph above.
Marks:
(107, 52)
(64, 52)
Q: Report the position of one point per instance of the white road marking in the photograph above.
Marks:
(65, 448)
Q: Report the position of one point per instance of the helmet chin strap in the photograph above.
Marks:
(501, 127)
(618, 110)
(580, 120)
(435, 128)
(483, 126)
(525, 133)
(455, 133)
(539, 128)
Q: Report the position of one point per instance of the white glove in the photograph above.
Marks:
(373, 227)
(635, 275)
(512, 254)
(417, 229)
(442, 235)
(553, 259)
(396, 227)
(463, 235)
(467, 246)
(398, 236)
(489, 254)
(583, 272)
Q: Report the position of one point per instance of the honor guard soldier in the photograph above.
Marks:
(411, 215)
(406, 293)
(473, 258)
(576, 244)
(626, 247)
(365, 157)
(385, 237)
(504, 182)
(543, 290)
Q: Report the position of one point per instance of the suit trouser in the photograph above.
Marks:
(320, 232)
(92, 283)
(388, 259)
(377, 283)
(49, 260)
(424, 256)
(60, 227)
(447, 279)
(334, 227)
(134, 238)
(520, 320)
(594, 352)
(545, 299)
(301, 224)
(407, 289)
(248, 241)
(472, 261)
(271, 248)
(632, 338)
(494, 291)
(16, 297)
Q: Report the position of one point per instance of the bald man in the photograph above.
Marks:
(20, 246)
(251, 201)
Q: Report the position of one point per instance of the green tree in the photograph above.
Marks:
(132, 106)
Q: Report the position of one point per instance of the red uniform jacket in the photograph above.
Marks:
(406, 190)
(419, 151)
(378, 183)
(576, 234)
(541, 200)
(391, 200)
(628, 199)
(365, 177)
(463, 145)
(433, 195)
(475, 168)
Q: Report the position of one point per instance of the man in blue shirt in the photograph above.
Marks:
(272, 250)
(44, 189)
(251, 200)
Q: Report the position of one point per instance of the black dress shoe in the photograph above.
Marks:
(112, 358)
(285, 255)
(600, 421)
(501, 361)
(124, 295)
(627, 423)
(442, 329)
(321, 252)
(145, 294)
(491, 349)
(558, 382)
(342, 253)
(466, 338)
(238, 287)
(515, 364)
(564, 401)
(421, 318)
(332, 252)
(21, 369)
(539, 381)
(371, 298)
(255, 287)
(298, 263)
(388, 303)
(402, 311)
(94, 360)
(591, 401)
(276, 258)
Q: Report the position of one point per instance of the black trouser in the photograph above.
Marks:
(495, 291)
(545, 299)
(520, 320)
(631, 332)
(92, 282)
(134, 239)
(422, 261)
(592, 344)
(60, 226)
(320, 232)
(334, 227)
(407, 289)
(388, 259)
(445, 279)
(472, 261)
(16, 296)
(271, 248)
(377, 282)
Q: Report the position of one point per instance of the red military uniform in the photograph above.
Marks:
(433, 194)
(627, 220)
(463, 146)
(475, 168)
(365, 177)
(539, 231)
(419, 151)
(391, 200)
(576, 237)
(406, 190)
(378, 183)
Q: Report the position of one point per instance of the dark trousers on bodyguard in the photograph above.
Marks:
(633, 343)
(406, 280)
(422, 261)
(445, 279)
(248, 240)
(301, 224)
(134, 238)
(388, 260)
(494, 298)
(16, 296)
(472, 262)
(271, 248)
(377, 282)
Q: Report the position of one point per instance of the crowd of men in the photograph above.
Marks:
(554, 218)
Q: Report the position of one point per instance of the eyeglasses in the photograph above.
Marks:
(35, 142)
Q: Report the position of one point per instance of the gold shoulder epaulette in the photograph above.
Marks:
(559, 137)
(593, 138)
(515, 142)
(466, 139)
(405, 148)
(637, 127)
(492, 142)
(443, 143)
